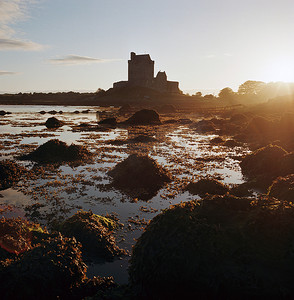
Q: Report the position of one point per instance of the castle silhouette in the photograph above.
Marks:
(141, 73)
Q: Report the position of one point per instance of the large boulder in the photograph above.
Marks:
(10, 173)
(56, 151)
(207, 186)
(53, 123)
(95, 234)
(139, 176)
(263, 162)
(49, 266)
(221, 247)
(144, 117)
(283, 188)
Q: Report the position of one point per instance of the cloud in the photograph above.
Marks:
(13, 44)
(2, 73)
(11, 12)
(210, 56)
(77, 60)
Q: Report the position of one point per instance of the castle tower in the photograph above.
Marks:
(140, 70)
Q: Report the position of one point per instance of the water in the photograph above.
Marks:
(64, 190)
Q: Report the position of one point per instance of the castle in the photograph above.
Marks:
(141, 73)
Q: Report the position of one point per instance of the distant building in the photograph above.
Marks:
(141, 73)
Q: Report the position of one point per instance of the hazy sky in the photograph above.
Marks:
(81, 45)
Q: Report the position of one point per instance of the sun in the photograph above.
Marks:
(280, 70)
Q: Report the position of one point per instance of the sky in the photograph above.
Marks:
(83, 45)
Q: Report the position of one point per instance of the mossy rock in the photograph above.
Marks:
(205, 126)
(217, 140)
(263, 162)
(48, 267)
(53, 123)
(95, 234)
(283, 188)
(10, 173)
(144, 117)
(207, 186)
(221, 247)
(56, 151)
(139, 176)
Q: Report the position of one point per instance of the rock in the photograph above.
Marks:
(259, 127)
(171, 121)
(94, 233)
(139, 176)
(52, 268)
(108, 121)
(143, 139)
(217, 140)
(144, 117)
(126, 108)
(232, 143)
(283, 188)
(205, 126)
(185, 121)
(221, 247)
(55, 151)
(52, 112)
(53, 123)
(207, 186)
(2, 112)
(263, 162)
(10, 173)
(42, 112)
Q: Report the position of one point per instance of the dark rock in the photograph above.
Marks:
(185, 121)
(222, 247)
(52, 112)
(239, 118)
(207, 186)
(53, 123)
(232, 143)
(42, 112)
(263, 162)
(205, 126)
(126, 108)
(95, 234)
(2, 112)
(171, 121)
(108, 121)
(144, 117)
(143, 139)
(283, 188)
(10, 173)
(217, 140)
(139, 176)
(55, 151)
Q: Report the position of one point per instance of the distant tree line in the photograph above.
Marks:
(250, 92)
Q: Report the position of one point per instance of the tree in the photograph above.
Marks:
(226, 93)
(251, 87)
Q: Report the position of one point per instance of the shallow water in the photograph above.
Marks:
(62, 191)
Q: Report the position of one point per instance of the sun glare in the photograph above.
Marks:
(282, 70)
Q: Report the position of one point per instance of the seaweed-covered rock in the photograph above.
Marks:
(232, 143)
(126, 108)
(259, 127)
(47, 271)
(143, 139)
(283, 188)
(264, 161)
(139, 176)
(16, 234)
(95, 234)
(144, 117)
(10, 173)
(221, 247)
(56, 151)
(217, 140)
(207, 185)
(205, 126)
(108, 121)
(53, 123)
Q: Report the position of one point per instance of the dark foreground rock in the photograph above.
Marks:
(10, 173)
(222, 247)
(263, 163)
(283, 188)
(53, 123)
(207, 186)
(139, 176)
(109, 121)
(144, 117)
(49, 266)
(95, 234)
(56, 151)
